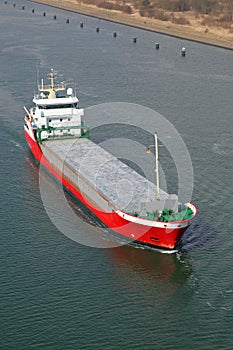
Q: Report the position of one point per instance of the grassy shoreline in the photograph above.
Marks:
(165, 28)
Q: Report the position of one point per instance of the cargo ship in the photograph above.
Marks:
(60, 141)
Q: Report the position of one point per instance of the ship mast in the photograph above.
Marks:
(157, 165)
(52, 88)
(51, 77)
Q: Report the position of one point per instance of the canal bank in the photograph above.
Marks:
(153, 25)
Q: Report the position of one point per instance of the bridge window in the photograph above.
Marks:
(58, 106)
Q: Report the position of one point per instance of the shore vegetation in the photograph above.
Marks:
(202, 20)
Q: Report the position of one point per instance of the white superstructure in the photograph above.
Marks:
(56, 111)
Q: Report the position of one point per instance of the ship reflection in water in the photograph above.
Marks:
(151, 271)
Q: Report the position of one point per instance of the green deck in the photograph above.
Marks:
(167, 215)
(64, 136)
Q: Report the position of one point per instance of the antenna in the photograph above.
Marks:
(75, 87)
(37, 74)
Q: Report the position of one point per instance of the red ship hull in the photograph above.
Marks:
(160, 235)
